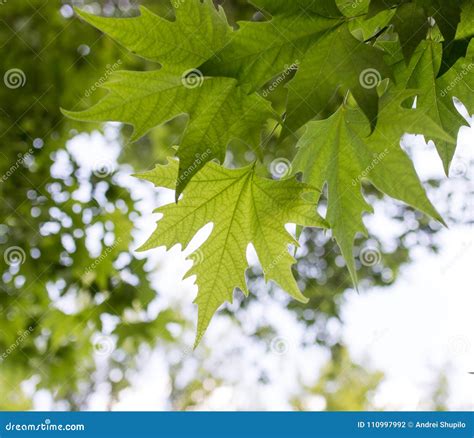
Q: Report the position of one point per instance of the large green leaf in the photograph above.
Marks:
(337, 64)
(260, 50)
(218, 111)
(243, 208)
(341, 152)
(197, 33)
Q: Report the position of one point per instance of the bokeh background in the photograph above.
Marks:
(88, 323)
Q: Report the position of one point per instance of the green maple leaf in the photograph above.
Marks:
(259, 51)
(243, 208)
(341, 152)
(197, 33)
(338, 63)
(219, 111)
(434, 96)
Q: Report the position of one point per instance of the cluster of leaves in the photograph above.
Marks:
(359, 74)
(47, 215)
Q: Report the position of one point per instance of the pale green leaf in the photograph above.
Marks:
(244, 208)
(197, 33)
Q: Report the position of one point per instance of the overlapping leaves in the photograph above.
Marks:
(341, 152)
(361, 66)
